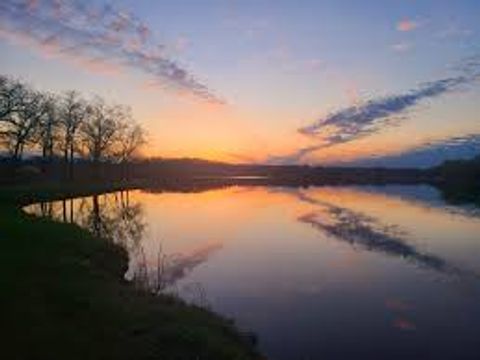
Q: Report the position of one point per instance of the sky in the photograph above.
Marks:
(267, 81)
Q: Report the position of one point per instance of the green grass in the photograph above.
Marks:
(63, 297)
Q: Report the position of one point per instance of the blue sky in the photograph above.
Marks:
(244, 76)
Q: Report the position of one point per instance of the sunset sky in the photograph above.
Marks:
(278, 81)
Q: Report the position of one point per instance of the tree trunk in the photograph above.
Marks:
(50, 148)
(96, 216)
(16, 150)
(64, 208)
(71, 161)
(71, 210)
(65, 158)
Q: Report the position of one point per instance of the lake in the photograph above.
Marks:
(315, 273)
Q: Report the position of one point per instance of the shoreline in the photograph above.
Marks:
(65, 295)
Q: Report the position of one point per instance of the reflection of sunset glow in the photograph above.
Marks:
(367, 257)
(191, 220)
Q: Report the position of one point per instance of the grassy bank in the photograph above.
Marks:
(63, 296)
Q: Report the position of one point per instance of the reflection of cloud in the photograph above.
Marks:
(95, 33)
(404, 324)
(400, 308)
(397, 305)
(179, 265)
(368, 233)
(358, 121)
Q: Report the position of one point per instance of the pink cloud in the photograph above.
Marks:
(98, 66)
(315, 64)
(181, 44)
(31, 5)
(51, 47)
(102, 38)
(143, 32)
(407, 25)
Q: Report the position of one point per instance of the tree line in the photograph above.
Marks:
(65, 125)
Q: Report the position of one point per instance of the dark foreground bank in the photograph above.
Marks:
(63, 296)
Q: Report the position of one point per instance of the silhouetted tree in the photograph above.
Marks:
(47, 127)
(72, 114)
(19, 126)
(11, 92)
(67, 124)
(99, 131)
(130, 139)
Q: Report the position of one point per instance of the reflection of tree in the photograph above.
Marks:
(368, 233)
(179, 265)
(167, 270)
(45, 209)
(129, 229)
(114, 217)
(97, 215)
(109, 216)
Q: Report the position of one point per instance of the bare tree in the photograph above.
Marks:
(47, 127)
(130, 139)
(99, 131)
(133, 137)
(72, 114)
(19, 126)
(11, 92)
(68, 124)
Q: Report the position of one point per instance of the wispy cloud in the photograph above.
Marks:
(427, 154)
(454, 141)
(358, 121)
(294, 157)
(99, 34)
(454, 31)
(402, 47)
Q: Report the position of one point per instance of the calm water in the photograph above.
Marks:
(317, 273)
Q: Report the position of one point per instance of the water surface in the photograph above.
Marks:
(317, 273)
